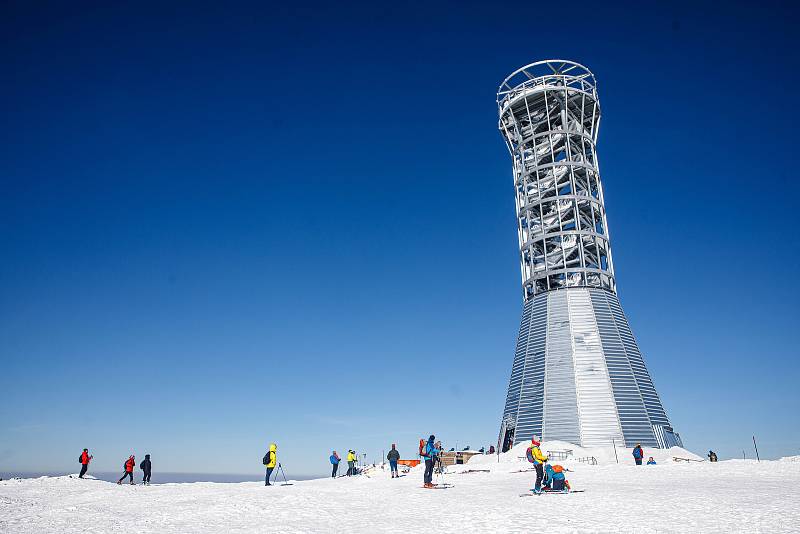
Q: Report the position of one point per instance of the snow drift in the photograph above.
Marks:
(728, 496)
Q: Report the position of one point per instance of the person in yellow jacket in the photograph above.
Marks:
(351, 463)
(537, 458)
(270, 461)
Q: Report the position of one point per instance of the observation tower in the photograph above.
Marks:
(578, 375)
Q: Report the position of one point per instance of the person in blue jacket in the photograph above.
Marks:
(335, 459)
(651, 461)
(638, 454)
(430, 455)
(555, 480)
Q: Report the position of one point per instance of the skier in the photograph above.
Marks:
(430, 453)
(146, 467)
(351, 462)
(538, 460)
(650, 461)
(84, 459)
(335, 463)
(130, 463)
(393, 457)
(712, 456)
(638, 454)
(270, 461)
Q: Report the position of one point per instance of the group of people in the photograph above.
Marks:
(352, 459)
(130, 464)
(549, 477)
(539, 459)
(638, 455)
(146, 466)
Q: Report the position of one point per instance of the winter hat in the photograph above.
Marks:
(432, 438)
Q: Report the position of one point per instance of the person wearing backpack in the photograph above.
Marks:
(335, 463)
(270, 461)
(146, 467)
(130, 463)
(430, 453)
(535, 456)
(393, 457)
(638, 454)
(84, 460)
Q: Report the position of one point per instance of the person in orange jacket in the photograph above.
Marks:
(130, 464)
(84, 459)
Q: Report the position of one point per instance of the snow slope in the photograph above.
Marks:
(728, 496)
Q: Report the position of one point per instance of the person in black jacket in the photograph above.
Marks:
(393, 457)
(146, 467)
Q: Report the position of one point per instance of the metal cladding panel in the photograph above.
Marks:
(596, 403)
(652, 402)
(633, 417)
(531, 401)
(515, 382)
(560, 398)
(638, 404)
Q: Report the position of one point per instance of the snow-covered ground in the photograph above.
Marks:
(729, 496)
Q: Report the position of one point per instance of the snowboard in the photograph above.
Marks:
(439, 486)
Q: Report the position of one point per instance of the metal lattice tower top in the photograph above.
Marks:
(549, 117)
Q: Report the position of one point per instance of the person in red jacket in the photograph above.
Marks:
(84, 459)
(129, 465)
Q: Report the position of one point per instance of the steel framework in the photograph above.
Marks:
(549, 117)
(578, 374)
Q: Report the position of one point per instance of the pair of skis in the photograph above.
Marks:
(438, 486)
(532, 494)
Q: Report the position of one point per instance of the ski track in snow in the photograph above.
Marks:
(729, 496)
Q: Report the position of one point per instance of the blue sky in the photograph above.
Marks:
(222, 226)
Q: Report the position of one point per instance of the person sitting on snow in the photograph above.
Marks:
(555, 480)
(538, 460)
(650, 461)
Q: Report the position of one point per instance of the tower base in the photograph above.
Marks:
(578, 376)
